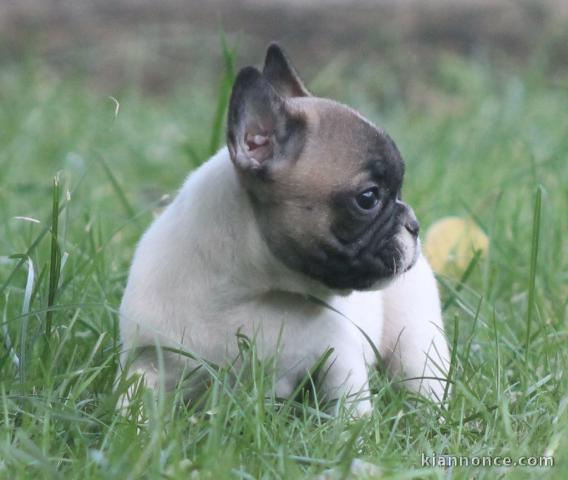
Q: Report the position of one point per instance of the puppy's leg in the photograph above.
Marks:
(413, 345)
(347, 377)
(154, 369)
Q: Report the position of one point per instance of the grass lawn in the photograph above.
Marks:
(479, 141)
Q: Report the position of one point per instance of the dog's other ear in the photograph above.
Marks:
(259, 128)
(281, 74)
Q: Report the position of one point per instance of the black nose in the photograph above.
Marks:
(412, 226)
(410, 222)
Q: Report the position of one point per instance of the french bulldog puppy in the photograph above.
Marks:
(304, 203)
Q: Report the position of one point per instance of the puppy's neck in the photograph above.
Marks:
(221, 235)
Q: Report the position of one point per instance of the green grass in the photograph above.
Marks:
(478, 141)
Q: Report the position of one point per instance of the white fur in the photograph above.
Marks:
(202, 272)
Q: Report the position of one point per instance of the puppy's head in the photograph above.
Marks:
(323, 181)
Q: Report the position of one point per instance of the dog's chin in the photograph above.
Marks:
(410, 248)
(380, 284)
(376, 285)
(370, 281)
(387, 280)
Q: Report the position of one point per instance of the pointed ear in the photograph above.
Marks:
(281, 74)
(259, 127)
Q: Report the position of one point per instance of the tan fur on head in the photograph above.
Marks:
(316, 157)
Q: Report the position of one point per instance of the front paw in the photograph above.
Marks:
(360, 408)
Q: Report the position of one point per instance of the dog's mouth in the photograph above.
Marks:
(370, 270)
(368, 262)
(366, 258)
(384, 282)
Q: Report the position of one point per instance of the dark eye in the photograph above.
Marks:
(368, 199)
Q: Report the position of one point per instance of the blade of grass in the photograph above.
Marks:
(24, 325)
(316, 369)
(26, 453)
(466, 274)
(191, 152)
(223, 94)
(498, 367)
(22, 258)
(35, 243)
(6, 336)
(116, 187)
(467, 350)
(348, 450)
(55, 258)
(532, 269)
(453, 359)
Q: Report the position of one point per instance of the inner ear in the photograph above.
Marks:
(256, 119)
(281, 74)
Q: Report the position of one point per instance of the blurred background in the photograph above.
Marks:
(129, 95)
(157, 45)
